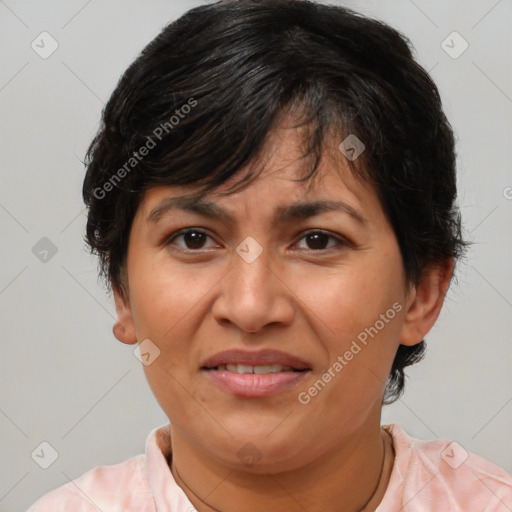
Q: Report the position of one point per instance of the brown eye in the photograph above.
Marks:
(191, 239)
(319, 240)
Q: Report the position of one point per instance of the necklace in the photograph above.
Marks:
(369, 500)
(362, 509)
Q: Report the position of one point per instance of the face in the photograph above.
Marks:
(311, 301)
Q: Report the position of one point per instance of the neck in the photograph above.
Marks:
(353, 475)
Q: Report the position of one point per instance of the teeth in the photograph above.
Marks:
(265, 369)
(260, 370)
(239, 368)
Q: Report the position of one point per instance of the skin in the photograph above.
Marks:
(309, 299)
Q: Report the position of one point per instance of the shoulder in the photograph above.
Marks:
(443, 475)
(102, 488)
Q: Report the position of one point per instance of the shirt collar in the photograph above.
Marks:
(168, 495)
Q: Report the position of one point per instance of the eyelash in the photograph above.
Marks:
(341, 240)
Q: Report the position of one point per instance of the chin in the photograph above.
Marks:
(257, 452)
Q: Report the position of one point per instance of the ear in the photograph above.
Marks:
(123, 329)
(425, 301)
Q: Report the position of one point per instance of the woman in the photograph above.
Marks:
(272, 198)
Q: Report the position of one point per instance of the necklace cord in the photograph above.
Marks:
(362, 509)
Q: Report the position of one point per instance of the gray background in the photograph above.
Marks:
(64, 378)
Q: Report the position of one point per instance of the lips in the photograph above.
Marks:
(259, 369)
(254, 374)
(243, 359)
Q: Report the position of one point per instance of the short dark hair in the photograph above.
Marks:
(203, 96)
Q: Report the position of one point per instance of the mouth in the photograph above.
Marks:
(258, 369)
(254, 374)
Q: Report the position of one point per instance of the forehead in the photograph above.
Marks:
(277, 176)
(278, 195)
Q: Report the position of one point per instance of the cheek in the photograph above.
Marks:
(352, 300)
(164, 304)
(360, 311)
(163, 295)
(168, 302)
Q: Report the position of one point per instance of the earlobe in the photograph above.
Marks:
(425, 302)
(123, 328)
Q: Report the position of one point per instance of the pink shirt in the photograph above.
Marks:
(427, 476)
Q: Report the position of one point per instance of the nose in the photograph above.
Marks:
(253, 295)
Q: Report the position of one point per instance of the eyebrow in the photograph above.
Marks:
(284, 213)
